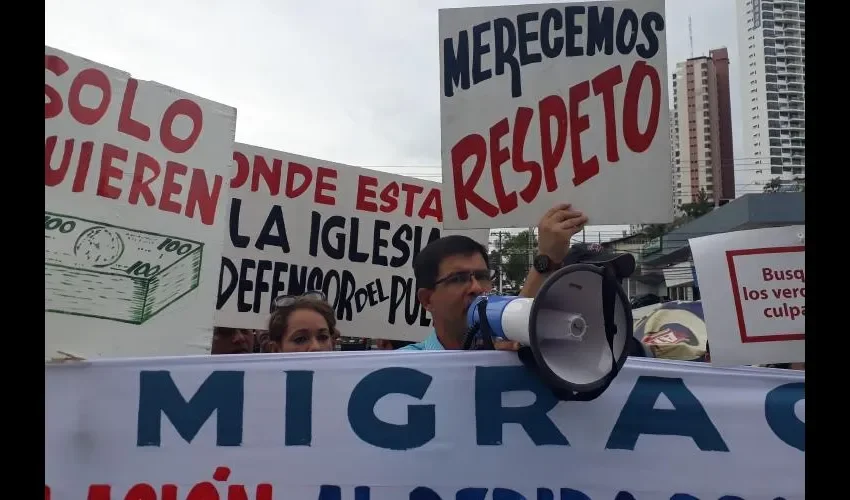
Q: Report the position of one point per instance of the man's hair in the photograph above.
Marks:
(279, 319)
(426, 265)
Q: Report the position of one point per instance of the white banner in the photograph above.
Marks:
(135, 200)
(300, 224)
(554, 103)
(420, 426)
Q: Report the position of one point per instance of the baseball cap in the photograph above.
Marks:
(594, 253)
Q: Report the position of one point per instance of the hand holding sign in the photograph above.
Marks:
(556, 228)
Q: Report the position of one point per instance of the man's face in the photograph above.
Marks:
(232, 341)
(455, 290)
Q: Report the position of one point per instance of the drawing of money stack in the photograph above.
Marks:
(116, 273)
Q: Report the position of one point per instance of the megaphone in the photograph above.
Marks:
(574, 333)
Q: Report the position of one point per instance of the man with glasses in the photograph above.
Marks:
(452, 271)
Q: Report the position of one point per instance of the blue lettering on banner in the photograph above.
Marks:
(299, 408)
(687, 418)
(421, 419)
(222, 392)
(490, 415)
(779, 412)
(531, 36)
(334, 492)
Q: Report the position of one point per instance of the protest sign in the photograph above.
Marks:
(753, 288)
(552, 103)
(134, 184)
(299, 224)
(421, 426)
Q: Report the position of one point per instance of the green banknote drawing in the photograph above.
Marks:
(111, 272)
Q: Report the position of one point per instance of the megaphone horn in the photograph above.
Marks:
(574, 332)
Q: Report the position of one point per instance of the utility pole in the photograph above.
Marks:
(500, 262)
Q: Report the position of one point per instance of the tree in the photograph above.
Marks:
(699, 207)
(773, 186)
(514, 256)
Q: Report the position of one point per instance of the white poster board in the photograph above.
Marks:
(753, 288)
(300, 224)
(417, 426)
(135, 185)
(554, 103)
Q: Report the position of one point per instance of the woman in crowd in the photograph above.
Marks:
(303, 323)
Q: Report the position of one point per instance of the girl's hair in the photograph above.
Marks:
(279, 319)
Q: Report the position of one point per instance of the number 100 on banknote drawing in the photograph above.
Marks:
(117, 273)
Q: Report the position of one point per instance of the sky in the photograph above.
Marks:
(351, 82)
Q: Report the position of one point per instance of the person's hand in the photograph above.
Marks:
(556, 228)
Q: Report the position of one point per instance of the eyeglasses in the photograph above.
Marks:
(288, 300)
(482, 276)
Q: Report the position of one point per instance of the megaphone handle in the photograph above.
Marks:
(609, 297)
(485, 330)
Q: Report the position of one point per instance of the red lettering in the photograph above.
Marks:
(140, 185)
(189, 109)
(366, 187)
(306, 177)
(243, 168)
(604, 84)
(126, 123)
(170, 187)
(432, 206)
(410, 191)
(271, 176)
(99, 492)
(58, 67)
(94, 78)
(202, 198)
(55, 177)
(389, 197)
(141, 491)
(83, 164)
(552, 107)
(523, 120)
(322, 174)
(636, 140)
(109, 171)
(46, 492)
(582, 170)
(498, 156)
(469, 146)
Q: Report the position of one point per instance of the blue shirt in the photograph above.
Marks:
(431, 343)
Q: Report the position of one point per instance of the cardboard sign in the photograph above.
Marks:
(418, 426)
(299, 224)
(135, 182)
(753, 287)
(551, 103)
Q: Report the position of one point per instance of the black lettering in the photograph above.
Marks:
(505, 40)
(273, 222)
(361, 297)
(297, 279)
(434, 235)
(627, 27)
(403, 293)
(381, 296)
(525, 37)
(456, 64)
(315, 279)
(334, 222)
(315, 228)
(277, 283)
(245, 285)
(262, 285)
(651, 23)
(378, 242)
(370, 289)
(571, 29)
(346, 293)
(551, 20)
(600, 30)
(479, 49)
(223, 295)
(400, 239)
(331, 278)
(354, 255)
(238, 240)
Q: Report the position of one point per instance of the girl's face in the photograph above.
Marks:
(307, 331)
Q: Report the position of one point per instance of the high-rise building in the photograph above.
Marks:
(702, 130)
(772, 53)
